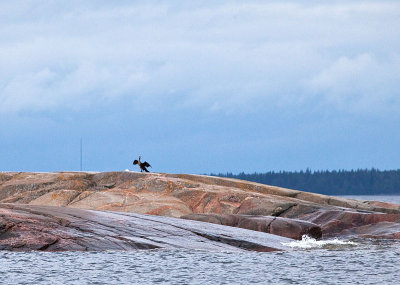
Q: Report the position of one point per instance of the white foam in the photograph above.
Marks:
(309, 242)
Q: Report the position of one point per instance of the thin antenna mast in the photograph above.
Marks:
(81, 154)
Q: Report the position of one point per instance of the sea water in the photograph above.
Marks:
(333, 261)
(384, 198)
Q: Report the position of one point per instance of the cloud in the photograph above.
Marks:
(360, 84)
(226, 56)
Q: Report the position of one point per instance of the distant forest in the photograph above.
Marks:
(342, 182)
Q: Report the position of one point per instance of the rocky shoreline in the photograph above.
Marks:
(48, 228)
(131, 210)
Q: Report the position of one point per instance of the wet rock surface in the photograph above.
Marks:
(291, 228)
(232, 202)
(347, 222)
(27, 227)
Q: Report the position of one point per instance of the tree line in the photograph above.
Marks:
(342, 182)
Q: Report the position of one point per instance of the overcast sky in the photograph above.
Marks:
(199, 86)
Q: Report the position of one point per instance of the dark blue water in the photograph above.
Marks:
(310, 262)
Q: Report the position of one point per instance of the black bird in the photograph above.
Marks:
(142, 165)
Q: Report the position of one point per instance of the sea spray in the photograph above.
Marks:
(307, 242)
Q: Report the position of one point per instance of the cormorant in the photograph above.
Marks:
(142, 165)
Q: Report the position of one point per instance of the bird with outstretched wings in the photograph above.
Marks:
(143, 165)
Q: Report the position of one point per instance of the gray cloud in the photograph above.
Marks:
(226, 56)
(360, 84)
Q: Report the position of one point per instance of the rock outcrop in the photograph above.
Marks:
(231, 202)
(291, 228)
(26, 227)
(347, 222)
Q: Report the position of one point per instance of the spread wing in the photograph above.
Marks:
(135, 162)
(146, 164)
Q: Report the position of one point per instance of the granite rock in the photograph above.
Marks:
(178, 195)
(49, 228)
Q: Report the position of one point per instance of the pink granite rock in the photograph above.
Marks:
(177, 195)
(27, 227)
(290, 228)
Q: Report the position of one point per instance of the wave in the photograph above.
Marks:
(309, 242)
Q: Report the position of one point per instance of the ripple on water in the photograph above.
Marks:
(367, 262)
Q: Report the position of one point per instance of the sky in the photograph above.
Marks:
(199, 86)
